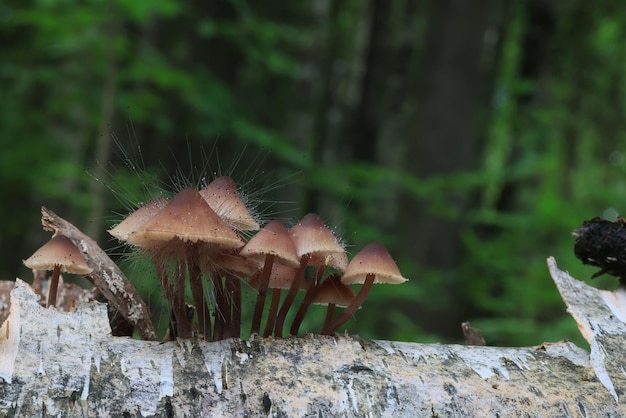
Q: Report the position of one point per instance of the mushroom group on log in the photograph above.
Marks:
(64, 361)
(206, 241)
(54, 363)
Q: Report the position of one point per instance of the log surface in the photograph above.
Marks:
(54, 363)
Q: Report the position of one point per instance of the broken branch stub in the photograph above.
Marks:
(106, 275)
(600, 316)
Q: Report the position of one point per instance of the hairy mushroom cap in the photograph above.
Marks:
(189, 218)
(273, 239)
(221, 194)
(312, 237)
(332, 291)
(373, 259)
(137, 218)
(59, 251)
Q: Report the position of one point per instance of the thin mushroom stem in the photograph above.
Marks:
(330, 311)
(233, 288)
(218, 330)
(260, 300)
(226, 305)
(177, 311)
(197, 291)
(53, 286)
(168, 291)
(271, 316)
(237, 308)
(161, 273)
(329, 329)
(291, 296)
(306, 302)
(180, 310)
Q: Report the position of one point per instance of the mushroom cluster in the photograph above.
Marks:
(206, 244)
(200, 237)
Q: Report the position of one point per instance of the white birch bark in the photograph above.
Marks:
(67, 364)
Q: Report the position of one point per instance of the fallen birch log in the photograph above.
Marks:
(67, 364)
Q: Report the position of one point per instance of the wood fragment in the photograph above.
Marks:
(106, 275)
(472, 335)
(600, 316)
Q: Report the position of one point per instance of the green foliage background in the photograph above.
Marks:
(173, 78)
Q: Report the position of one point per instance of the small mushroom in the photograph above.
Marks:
(332, 293)
(221, 194)
(137, 218)
(271, 243)
(316, 245)
(372, 264)
(186, 229)
(59, 255)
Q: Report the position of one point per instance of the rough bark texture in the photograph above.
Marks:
(54, 363)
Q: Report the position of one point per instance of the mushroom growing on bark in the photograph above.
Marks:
(332, 293)
(184, 230)
(315, 244)
(59, 255)
(222, 196)
(272, 243)
(373, 264)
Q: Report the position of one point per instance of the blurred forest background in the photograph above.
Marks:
(470, 138)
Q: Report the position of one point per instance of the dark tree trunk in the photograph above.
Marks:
(452, 93)
(366, 120)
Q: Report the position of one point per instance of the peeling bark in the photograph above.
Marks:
(55, 363)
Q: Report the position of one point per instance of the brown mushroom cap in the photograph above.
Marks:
(337, 261)
(59, 251)
(373, 259)
(189, 218)
(332, 291)
(312, 237)
(221, 194)
(274, 240)
(134, 220)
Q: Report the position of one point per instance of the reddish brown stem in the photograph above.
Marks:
(271, 316)
(197, 291)
(264, 281)
(306, 302)
(233, 288)
(180, 310)
(330, 311)
(356, 303)
(297, 283)
(218, 330)
(173, 296)
(167, 289)
(226, 309)
(53, 286)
